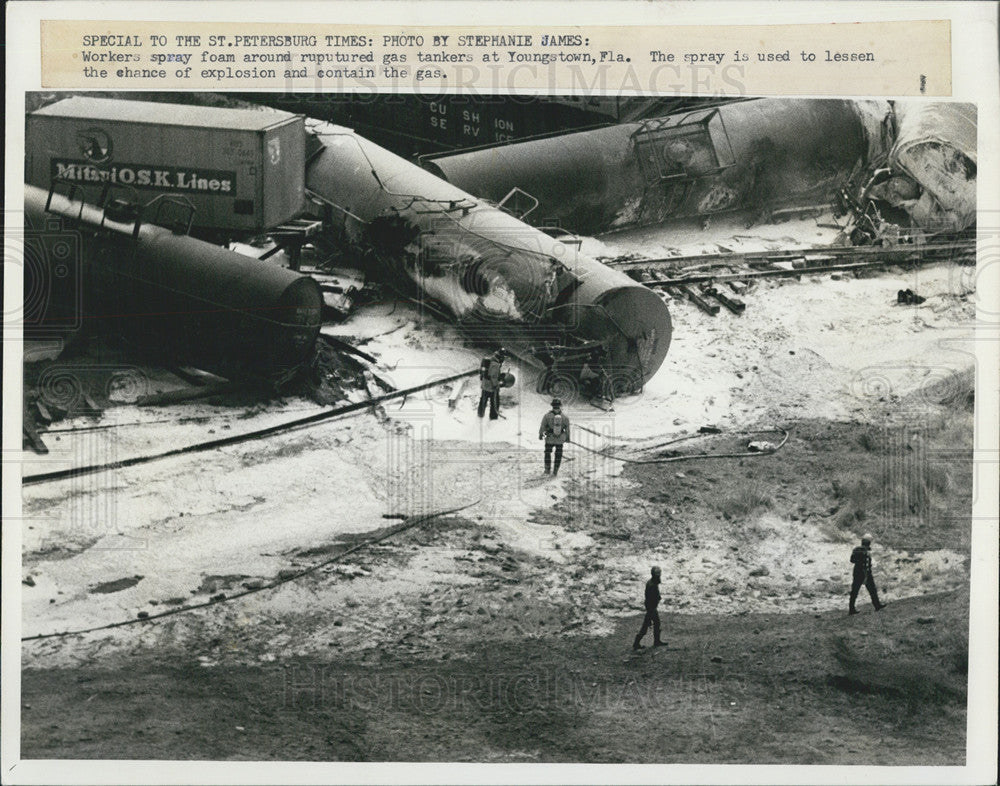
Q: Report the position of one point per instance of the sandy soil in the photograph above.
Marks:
(536, 577)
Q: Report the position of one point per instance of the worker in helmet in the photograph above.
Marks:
(652, 617)
(862, 559)
(555, 431)
(491, 380)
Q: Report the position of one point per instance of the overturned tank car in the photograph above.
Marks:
(201, 304)
(758, 155)
(501, 279)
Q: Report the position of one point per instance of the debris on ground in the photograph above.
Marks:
(909, 298)
(332, 376)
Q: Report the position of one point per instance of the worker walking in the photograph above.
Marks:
(862, 559)
(652, 615)
(555, 431)
(491, 380)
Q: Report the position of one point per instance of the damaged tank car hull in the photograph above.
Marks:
(936, 147)
(759, 155)
(178, 298)
(500, 278)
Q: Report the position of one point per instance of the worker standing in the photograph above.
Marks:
(555, 431)
(862, 559)
(652, 617)
(491, 380)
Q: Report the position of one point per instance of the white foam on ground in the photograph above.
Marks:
(815, 349)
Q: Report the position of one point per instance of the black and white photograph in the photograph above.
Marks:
(498, 429)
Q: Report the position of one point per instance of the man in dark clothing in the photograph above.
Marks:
(652, 615)
(862, 559)
(555, 431)
(491, 380)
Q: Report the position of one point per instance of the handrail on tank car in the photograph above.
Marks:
(133, 206)
(157, 202)
(453, 205)
(73, 188)
(559, 132)
(172, 199)
(103, 203)
(512, 193)
(655, 125)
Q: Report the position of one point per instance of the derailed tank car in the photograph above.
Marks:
(758, 154)
(933, 165)
(195, 302)
(500, 278)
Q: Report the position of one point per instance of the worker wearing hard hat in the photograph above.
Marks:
(555, 431)
(491, 379)
(652, 600)
(862, 559)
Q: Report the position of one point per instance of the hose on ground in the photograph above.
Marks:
(692, 456)
(74, 472)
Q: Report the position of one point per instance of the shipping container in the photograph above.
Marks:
(243, 170)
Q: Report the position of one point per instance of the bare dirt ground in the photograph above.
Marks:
(503, 633)
(509, 656)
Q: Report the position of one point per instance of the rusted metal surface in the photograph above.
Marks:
(180, 296)
(758, 155)
(499, 278)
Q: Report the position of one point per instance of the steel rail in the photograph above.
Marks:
(74, 472)
(736, 257)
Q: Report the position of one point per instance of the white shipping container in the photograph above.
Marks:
(244, 170)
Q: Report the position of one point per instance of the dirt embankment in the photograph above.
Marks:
(477, 649)
(875, 689)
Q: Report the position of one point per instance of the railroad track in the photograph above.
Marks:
(704, 271)
(889, 254)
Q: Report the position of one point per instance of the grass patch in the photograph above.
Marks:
(894, 490)
(745, 499)
(861, 498)
(870, 441)
(955, 392)
(910, 484)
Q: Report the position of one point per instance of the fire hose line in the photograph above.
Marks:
(74, 472)
(692, 456)
(622, 438)
(408, 524)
